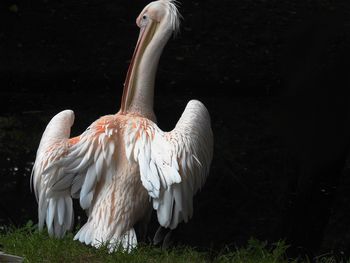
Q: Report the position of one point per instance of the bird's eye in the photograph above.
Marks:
(144, 20)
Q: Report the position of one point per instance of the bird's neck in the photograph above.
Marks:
(143, 91)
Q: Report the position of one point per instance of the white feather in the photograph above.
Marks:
(61, 209)
(69, 213)
(85, 201)
(173, 165)
(89, 183)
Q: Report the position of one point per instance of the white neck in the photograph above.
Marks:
(142, 100)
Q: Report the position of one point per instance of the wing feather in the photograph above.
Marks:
(66, 168)
(61, 209)
(173, 165)
(54, 145)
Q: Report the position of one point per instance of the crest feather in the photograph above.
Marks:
(175, 16)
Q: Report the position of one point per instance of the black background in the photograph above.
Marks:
(273, 75)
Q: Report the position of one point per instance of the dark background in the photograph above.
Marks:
(273, 75)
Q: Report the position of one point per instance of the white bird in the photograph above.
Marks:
(123, 164)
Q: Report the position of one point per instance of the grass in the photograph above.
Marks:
(37, 247)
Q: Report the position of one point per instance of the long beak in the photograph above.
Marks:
(145, 37)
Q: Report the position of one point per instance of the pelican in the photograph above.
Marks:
(124, 166)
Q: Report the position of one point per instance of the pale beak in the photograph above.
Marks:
(145, 37)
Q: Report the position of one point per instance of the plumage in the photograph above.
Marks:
(124, 165)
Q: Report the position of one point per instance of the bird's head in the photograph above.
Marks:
(162, 11)
(157, 21)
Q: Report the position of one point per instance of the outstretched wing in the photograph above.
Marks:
(54, 145)
(66, 168)
(173, 165)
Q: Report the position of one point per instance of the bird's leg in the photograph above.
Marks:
(159, 235)
(168, 240)
(163, 235)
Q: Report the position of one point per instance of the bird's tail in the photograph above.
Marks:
(93, 235)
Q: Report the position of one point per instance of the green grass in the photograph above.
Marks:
(37, 247)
